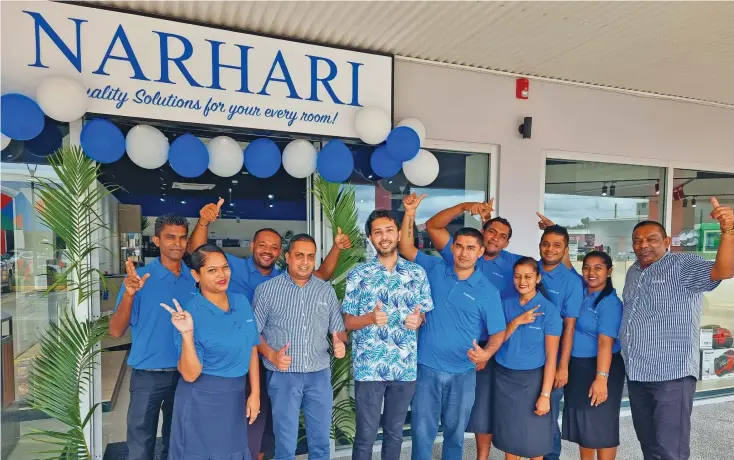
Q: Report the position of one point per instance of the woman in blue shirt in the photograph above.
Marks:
(216, 338)
(593, 395)
(526, 368)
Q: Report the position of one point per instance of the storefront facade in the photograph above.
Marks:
(186, 78)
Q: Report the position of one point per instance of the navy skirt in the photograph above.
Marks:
(592, 427)
(517, 430)
(209, 420)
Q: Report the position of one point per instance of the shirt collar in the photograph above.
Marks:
(638, 266)
(376, 263)
(162, 272)
(290, 280)
(473, 280)
(250, 263)
(557, 272)
(213, 309)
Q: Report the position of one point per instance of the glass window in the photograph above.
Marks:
(600, 203)
(30, 257)
(462, 177)
(693, 231)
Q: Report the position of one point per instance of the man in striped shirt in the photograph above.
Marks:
(659, 334)
(294, 312)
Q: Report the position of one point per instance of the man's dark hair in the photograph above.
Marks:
(556, 230)
(170, 219)
(645, 223)
(469, 231)
(380, 214)
(300, 237)
(267, 229)
(502, 221)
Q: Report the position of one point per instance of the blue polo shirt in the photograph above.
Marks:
(604, 318)
(463, 311)
(223, 340)
(150, 324)
(245, 277)
(525, 349)
(499, 271)
(565, 289)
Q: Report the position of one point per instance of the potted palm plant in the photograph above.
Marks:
(68, 349)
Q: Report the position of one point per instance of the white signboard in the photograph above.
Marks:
(143, 67)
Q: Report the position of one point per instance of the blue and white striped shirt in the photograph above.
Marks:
(662, 315)
(303, 316)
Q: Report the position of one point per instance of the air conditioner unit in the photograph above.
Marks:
(190, 186)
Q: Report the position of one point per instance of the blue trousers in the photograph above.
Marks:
(150, 394)
(446, 398)
(291, 392)
(556, 397)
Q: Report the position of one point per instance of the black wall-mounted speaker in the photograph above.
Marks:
(526, 128)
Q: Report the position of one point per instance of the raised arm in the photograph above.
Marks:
(189, 362)
(407, 241)
(328, 266)
(207, 215)
(724, 265)
(120, 320)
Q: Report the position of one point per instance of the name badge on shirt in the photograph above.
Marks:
(469, 296)
(498, 275)
(535, 327)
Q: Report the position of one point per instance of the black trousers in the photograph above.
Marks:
(661, 414)
(150, 394)
(369, 398)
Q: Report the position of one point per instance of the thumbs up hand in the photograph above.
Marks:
(339, 349)
(341, 240)
(282, 360)
(478, 355)
(210, 212)
(379, 316)
(413, 321)
(724, 214)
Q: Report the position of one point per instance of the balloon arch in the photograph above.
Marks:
(388, 149)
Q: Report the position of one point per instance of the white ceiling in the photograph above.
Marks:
(683, 49)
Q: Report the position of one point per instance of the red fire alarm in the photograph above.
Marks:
(523, 88)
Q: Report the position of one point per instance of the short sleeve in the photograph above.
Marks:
(336, 321)
(135, 310)
(260, 307)
(553, 321)
(243, 304)
(610, 316)
(494, 315)
(695, 273)
(428, 262)
(422, 293)
(574, 297)
(446, 253)
(350, 305)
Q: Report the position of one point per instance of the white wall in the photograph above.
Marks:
(467, 106)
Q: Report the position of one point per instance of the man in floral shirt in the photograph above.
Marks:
(384, 304)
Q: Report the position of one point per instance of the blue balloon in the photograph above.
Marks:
(335, 162)
(262, 158)
(188, 156)
(403, 143)
(362, 164)
(47, 142)
(22, 119)
(383, 163)
(102, 141)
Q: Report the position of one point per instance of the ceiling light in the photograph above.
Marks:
(369, 177)
(604, 189)
(183, 201)
(271, 196)
(230, 190)
(163, 199)
(389, 182)
(271, 205)
(657, 188)
(231, 204)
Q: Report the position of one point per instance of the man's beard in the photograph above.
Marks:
(386, 252)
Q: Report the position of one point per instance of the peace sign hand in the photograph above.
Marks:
(181, 319)
(133, 282)
(341, 240)
(528, 317)
(210, 212)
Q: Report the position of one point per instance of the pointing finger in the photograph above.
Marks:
(168, 309)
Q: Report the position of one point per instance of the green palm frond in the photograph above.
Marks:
(68, 349)
(339, 206)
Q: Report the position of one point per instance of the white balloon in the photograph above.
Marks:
(225, 156)
(5, 141)
(421, 170)
(417, 126)
(299, 158)
(147, 147)
(62, 98)
(372, 124)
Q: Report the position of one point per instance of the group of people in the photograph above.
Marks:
(477, 340)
